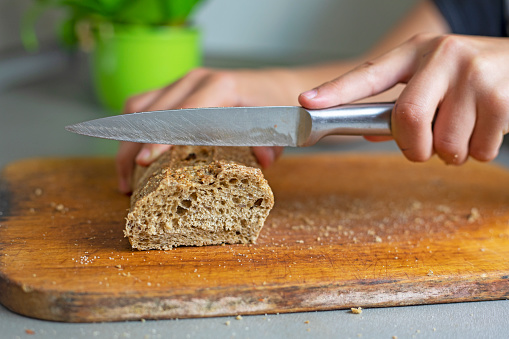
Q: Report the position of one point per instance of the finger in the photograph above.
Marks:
(214, 90)
(491, 125)
(149, 153)
(140, 102)
(414, 111)
(267, 155)
(171, 96)
(125, 164)
(370, 78)
(453, 126)
(412, 128)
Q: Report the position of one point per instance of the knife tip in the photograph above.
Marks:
(70, 128)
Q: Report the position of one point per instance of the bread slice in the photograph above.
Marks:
(194, 196)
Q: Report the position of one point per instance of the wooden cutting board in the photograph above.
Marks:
(346, 231)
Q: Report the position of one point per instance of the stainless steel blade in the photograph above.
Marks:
(229, 126)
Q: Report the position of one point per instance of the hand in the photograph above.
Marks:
(456, 99)
(205, 88)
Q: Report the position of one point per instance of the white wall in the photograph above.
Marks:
(296, 29)
(299, 30)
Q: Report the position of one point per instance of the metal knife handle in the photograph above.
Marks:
(353, 119)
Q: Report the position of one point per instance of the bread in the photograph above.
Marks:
(194, 196)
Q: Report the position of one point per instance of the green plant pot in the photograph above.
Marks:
(128, 60)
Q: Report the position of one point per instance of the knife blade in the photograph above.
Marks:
(242, 126)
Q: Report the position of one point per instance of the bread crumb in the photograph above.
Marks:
(118, 266)
(59, 207)
(306, 322)
(309, 221)
(378, 239)
(394, 337)
(416, 205)
(227, 323)
(38, 192)
(357, 310)
(299, 241)
(29, 332)
(474, 215)
(239, 317)
(430, 273)
(443, 209)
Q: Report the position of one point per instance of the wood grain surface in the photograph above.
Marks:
(346, 231)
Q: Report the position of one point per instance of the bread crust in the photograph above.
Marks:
(198, 195)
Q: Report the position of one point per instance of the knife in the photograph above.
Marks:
(242, 126)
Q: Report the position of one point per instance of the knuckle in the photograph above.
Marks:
(477, 69)
(445, 145)
(371, 78)
(409, 115)
(420, 38)
(448, 44)
(448, 149)
(333, 85)
(369, 72)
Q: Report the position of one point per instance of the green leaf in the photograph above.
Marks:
(146, 12)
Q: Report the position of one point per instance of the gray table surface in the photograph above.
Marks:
(32, 119)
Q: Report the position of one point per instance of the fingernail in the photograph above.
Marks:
(144, 155)
(310, 94)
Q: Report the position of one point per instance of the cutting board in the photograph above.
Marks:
(346, 231)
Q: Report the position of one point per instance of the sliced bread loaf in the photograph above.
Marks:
(194, 196)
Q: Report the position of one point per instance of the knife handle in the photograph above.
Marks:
(352, 119)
